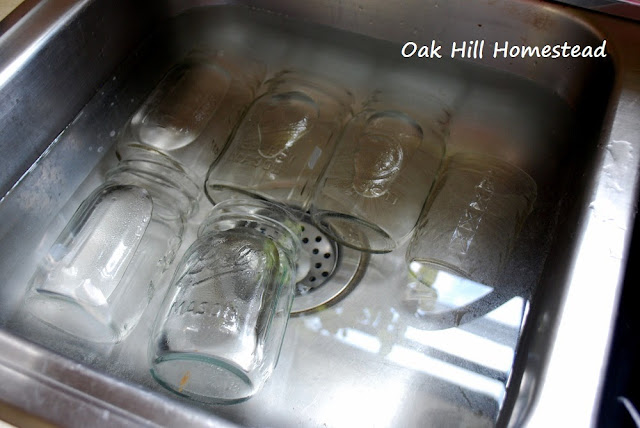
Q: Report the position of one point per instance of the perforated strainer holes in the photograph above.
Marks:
(334, 270)
(323, 258)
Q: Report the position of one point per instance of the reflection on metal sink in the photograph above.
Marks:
(72, 73)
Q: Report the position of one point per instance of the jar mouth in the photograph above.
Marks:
(203, 378)
(128, 150)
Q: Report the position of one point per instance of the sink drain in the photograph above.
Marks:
(323, 258)
(334, 270)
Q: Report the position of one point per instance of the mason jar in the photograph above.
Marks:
(218, 333)
(283, 143)
(102, 270)
(193, 109)
(472, 219)
(385, 163)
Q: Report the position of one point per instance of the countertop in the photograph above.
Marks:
(6, 6)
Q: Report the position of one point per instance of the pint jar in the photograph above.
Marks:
(472, 219)
(219, 331)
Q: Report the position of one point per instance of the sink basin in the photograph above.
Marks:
(531, 350)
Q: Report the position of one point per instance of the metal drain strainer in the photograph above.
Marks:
(323, 258)
(334, 270)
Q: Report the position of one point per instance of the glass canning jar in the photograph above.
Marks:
(193, 110)
(388, 156)
(472, 219)
(219, 331)
(102, 270)
(283, 143)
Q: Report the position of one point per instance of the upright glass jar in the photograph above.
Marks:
(102, 270)
(283, 143)
(219, 331)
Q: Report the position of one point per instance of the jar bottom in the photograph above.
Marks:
(66, 314)
(203, 378)
(354, 232)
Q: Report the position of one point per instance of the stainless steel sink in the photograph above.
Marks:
(530, 352)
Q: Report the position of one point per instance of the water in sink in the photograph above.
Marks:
(369, 359)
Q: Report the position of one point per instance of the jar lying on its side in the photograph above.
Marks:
(219, 331)
(472, 219)
(193, 110)
(283, 143)
(384, 166)
(102, 270)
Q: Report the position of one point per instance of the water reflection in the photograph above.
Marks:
(441, 291)
(466, 345)
(446, 371)
(461, 356)
(451, 373)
